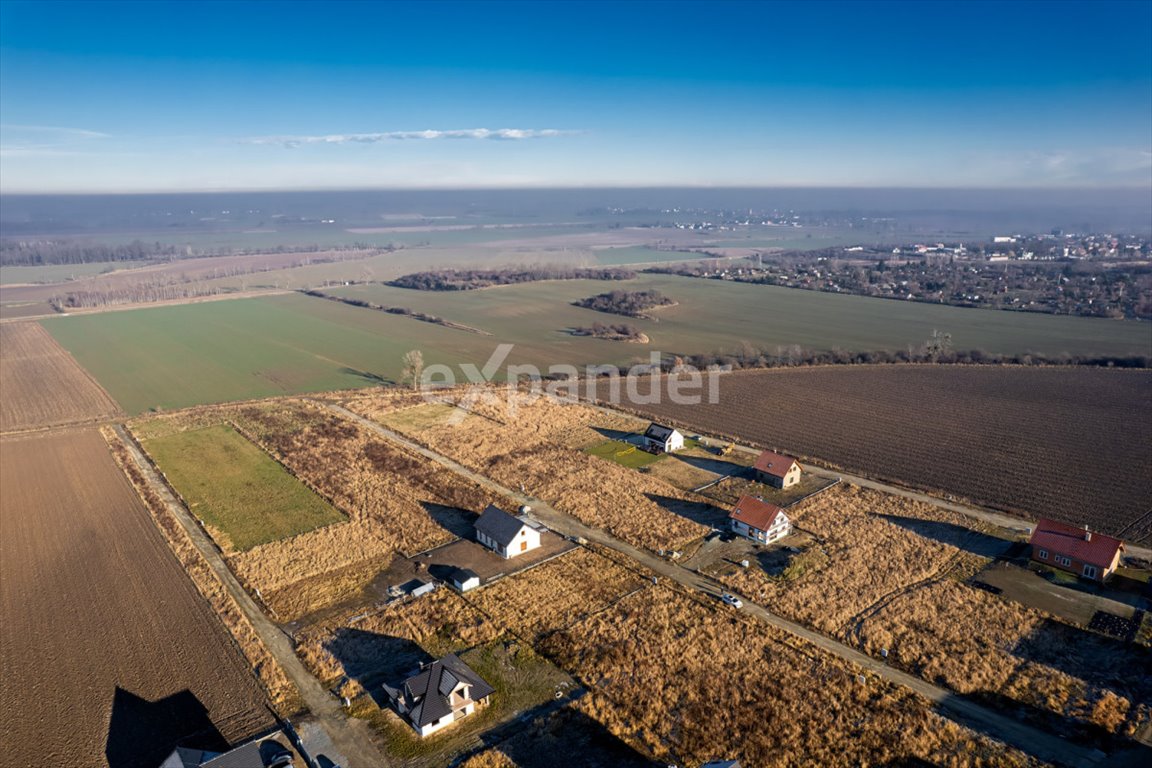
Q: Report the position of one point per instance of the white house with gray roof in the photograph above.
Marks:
(439, 694)
(505, 534)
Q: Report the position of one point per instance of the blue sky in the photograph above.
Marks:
(163, 96)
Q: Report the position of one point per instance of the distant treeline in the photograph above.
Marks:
(406, 311)
(630, 303)
(749, 356)
(32, 253)
(472, 279)
(39, 252)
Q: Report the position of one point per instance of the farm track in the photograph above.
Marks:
(351, 737)
(965, 711)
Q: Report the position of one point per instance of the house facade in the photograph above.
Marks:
(465, 579)
(777, 470)
(661, 438)
(759, 521)
(505, 534)
(439, 694)
(1075, 550)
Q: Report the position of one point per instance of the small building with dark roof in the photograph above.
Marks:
(505, 534)
(777, 470)
(465, 579)
(661, 438)
(759, 520)
(1075, 550)
(439, 694)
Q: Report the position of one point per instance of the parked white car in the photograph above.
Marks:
(732, 600)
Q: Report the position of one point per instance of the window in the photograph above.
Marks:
(1042, 554)
(1090, 571)
(1064, 561)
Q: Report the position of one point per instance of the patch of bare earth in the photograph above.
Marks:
(101, 622)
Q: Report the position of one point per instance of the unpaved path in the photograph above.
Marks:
(983, 719)
(350, 736)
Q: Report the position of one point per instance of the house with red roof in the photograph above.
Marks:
(759, 520)
(777, 470)
(1075, 550)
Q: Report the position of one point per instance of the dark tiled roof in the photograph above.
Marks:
(774, 464)
(755, 513)
(1076, 543)
(658, 432)
(499, 526)
(426, 693)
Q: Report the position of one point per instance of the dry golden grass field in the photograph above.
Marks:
(42, 384)
(392, 500)
(885, 572)
(675, 678)
(101, 621)
(534, 443)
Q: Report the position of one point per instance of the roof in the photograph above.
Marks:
(722, 764)
(755, 512)
(254, 754)
(499, 526)
(461, 575)
(658, 432)
(775, 464)
(426, 693)
(1076, 543)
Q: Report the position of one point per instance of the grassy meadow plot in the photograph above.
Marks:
(389, 502)
(247, 498)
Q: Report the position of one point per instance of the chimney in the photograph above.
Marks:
(1087, 534)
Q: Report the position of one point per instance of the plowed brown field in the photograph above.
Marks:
(1070, 443)
(43, 385)
(100, 621)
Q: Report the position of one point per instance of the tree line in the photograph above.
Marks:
(472, 279)
(630, 303)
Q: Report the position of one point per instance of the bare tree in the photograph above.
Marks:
(413, 367)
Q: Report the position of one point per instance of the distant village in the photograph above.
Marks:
(1088, 275)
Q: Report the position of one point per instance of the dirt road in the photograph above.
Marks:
(983, 719)
(350, 736)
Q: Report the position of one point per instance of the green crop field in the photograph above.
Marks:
(238, 489)
(59, 273)
(713, 315)
(176, 356)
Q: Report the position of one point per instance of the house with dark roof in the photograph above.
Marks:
(265, 752)
(1075, 550)
(759, 520)
(777, 470)
(659, 438)
(505, 534)
(439, 694)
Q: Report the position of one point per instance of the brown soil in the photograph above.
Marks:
(1064, 442)
(101, 622)
(42, 384)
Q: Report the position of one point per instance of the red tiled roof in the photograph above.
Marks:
(756, 513)
(1070, 541)
(774, 463)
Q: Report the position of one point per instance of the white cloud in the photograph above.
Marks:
(498, 134)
